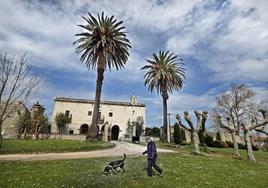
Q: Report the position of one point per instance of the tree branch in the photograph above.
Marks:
(181, 124)
(188, 120)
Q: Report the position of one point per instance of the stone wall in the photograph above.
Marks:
(10, 126)
(68, 137)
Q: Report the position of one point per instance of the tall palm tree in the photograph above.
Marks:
(102, 44)
(164, 74)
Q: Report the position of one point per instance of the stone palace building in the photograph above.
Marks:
(117, 115)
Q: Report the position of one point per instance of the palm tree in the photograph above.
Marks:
(164, 74)
(102, 44)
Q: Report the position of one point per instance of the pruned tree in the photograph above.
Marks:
(255, 124)
(194, 130)
(16, 84)
(202, 132)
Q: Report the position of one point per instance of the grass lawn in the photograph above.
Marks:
(180, 170)
(45, 146)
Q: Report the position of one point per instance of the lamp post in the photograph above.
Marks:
(168, 128)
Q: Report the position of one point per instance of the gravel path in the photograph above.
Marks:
(118, 150)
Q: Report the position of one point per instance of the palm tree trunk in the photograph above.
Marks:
(164, 132)
(93, 129)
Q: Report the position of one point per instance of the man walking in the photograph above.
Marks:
(152, 156)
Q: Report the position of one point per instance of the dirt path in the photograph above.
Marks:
(118, 150)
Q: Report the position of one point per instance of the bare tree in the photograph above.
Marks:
(40, 121)
(16, 84)
(239, 111)
(236, 105)
(255, 124)
(24, 124)
(263, 109)
(201, 119)
(218, 120)
(233, 109)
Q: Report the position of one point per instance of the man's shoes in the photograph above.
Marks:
(161, 173)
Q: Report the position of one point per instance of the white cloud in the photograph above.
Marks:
(261, 94)
(230, 41)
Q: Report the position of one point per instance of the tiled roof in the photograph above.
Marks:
(64, 99)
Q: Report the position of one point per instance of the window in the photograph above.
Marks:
(110, 114)
(67, 113)
(89, 113)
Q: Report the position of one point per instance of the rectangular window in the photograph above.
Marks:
(70, 120)
(89, 113)
(67, 113)
(110, 114)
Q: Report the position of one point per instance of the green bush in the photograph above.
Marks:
(177, 134)
(183, 137)
(241, 146)
(209, 141)
(154, 132)
(201, 137)
(216, 144)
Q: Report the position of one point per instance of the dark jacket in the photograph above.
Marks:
(151, 150)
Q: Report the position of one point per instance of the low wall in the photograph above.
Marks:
(67, 137)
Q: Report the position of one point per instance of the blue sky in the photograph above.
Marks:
(221, 43)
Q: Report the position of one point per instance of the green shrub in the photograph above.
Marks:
(216, 144)
(177, 134)
(230, 144)
(209, 141)
(218, 137)
(201, 137)
(241, 146)
(183, 137)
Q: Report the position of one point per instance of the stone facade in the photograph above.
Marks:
(115, 115)
(10, 127)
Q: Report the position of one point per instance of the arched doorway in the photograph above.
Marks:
(115, 132)
(84, 129)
